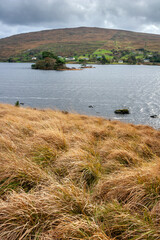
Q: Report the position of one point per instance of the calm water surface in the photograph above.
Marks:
(106, 87)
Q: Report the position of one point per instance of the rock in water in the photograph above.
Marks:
(153, 116)
(122, 111)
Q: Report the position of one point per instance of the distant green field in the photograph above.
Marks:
(126, 57)
(140, 57)
(102, 52)
(108, 57)
(84, 56)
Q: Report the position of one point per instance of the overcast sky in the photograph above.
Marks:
(17, 16)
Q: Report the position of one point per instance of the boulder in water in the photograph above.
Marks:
(121, 111)
(154, 116)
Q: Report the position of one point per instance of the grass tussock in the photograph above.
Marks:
(66, 176)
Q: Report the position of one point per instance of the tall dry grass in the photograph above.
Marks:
(68, 176)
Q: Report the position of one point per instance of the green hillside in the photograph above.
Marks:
(71, 42)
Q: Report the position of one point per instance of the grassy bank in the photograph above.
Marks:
(68, 176)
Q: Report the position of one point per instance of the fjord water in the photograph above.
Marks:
(105, 87)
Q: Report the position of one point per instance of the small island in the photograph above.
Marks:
(49, 61)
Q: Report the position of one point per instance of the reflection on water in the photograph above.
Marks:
(106, 88)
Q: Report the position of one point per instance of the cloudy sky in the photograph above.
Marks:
(17, 16)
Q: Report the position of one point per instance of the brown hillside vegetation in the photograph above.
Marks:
(77, 40)
(70, 176)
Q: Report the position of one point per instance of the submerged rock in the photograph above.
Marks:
(121, 111)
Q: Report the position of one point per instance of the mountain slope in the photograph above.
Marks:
(71, 41)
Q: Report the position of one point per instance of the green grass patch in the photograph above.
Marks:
(44, 156)
(21, 181)
(102, 52)
(108, 57)
(140, 57)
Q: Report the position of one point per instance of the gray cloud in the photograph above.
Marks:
(131, 15)
(33, 15)
(28, 12)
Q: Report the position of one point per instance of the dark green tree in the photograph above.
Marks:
(131, 60)
(103, 60)
(46, 54)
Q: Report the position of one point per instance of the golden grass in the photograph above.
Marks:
(68, 176)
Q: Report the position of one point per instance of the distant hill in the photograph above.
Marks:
(76, 41)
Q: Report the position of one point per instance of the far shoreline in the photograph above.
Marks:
(92, 63)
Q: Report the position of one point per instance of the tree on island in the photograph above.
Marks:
(46, 54)
(50, 62)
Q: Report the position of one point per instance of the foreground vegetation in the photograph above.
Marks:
(69, 176)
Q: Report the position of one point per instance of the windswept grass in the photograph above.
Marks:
(68, 176)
